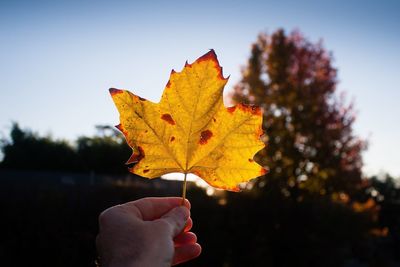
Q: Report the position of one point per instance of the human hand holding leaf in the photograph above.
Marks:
(190, 130)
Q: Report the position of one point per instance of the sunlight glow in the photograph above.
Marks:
(210, 191)
(176, 176)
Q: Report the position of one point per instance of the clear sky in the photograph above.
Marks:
(58, 58)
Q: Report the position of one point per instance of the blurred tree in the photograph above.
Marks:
(27, 151)
(104, 153)
(311, 144)
(305, 206)
(386, 191)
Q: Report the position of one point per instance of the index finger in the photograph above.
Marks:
(152, 208)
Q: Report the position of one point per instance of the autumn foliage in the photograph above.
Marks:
(310, 141)
(312, 209)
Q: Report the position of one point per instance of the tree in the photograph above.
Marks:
(302, 211)
(28, 151)
(104, 153)
(310, 141)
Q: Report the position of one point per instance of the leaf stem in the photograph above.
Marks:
(184, 190)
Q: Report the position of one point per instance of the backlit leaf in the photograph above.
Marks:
(190, 130)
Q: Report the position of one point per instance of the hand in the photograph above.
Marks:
(147, 232)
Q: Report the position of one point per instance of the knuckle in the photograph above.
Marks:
(103, 218)
(164, 225)
(106, 215)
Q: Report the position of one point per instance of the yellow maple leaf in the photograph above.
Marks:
(190, 130)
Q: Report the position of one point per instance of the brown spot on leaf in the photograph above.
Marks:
(214, 120)
(231, 109)
(255, 110)
(168, 85)
(114, 91)
(172, 138)
(205, 136)
(251, 160)
(142, 99)
(146, 170)
(167, 117)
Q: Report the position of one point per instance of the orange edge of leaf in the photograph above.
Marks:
(263, 171)
(136, 156)
(115, 91)
(254, 110)
(121, 129)
(209, 56)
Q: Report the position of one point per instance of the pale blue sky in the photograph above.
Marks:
(58, 58)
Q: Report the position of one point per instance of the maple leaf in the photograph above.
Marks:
(190, 130)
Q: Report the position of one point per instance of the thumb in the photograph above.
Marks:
(177, 218)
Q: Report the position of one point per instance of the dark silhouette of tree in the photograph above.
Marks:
(387, 193)
(105, 153)
(310, 142)
(28, 151)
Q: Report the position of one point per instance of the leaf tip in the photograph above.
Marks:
(209, 56)
(263, 171)
(236, 189)
(114, 91)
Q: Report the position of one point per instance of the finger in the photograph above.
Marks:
(152, 208)
(186, 253)
(185, 239)
(189, 225)
(176, 219)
